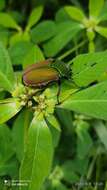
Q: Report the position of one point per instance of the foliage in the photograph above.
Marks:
(46, 144)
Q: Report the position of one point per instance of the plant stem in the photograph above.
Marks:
(92, 164)
(72, 50)
(105, 186)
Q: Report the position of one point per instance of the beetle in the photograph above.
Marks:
(42, 73)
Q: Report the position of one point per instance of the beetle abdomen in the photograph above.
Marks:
(38, 65)
(40, 76)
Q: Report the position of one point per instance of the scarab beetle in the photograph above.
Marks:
(45, 72)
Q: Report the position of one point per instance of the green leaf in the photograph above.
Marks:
(101, 30)
(7, 80)
(43, 31)
(72, 169)
(19, 37)
(2, 4)
(101, 131)
(65, 118)
(61, 15)
(75, 13)
(5, 83)
(33, 56)
(55, 130)
(2, 94)
(57, 185)
(18, 16)
(54, 122)
(8, 109)
(84, 140)
(67, 88)
(103, 15)
(69, 173)
(9, 168)
(55, 135)
(7, 21)
(19, 51)
(4, 36)
(38, 154)
(56, 44)
(88, 68)
(95, 7)
(84, 101)
(6, 144)
(34, 17)
(19, 131)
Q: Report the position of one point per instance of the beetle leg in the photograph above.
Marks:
(59, 90)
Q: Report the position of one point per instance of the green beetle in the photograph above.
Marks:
(45, 72)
